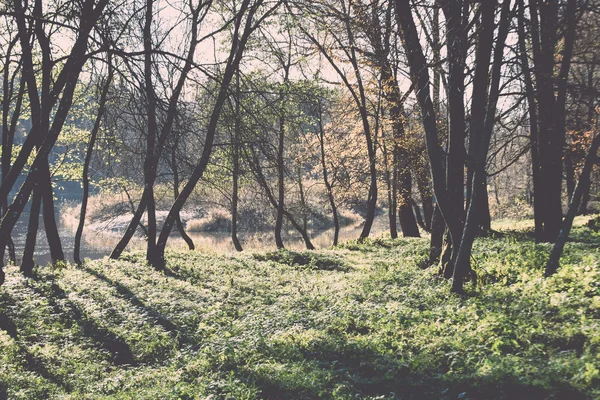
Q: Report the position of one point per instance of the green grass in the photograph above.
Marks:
(359, 321)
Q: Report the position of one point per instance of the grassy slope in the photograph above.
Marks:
(359, 321)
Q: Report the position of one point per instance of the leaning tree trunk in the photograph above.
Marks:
(179, 224)
(582, 185)
(235, 55)
(328, 186)
(86, 163)
(262, 181)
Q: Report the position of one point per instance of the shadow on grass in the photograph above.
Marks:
(304, 259)
(70, 313)
(352, 370)
(182, 337)
(32, 362)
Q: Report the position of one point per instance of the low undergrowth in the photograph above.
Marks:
(359, 321)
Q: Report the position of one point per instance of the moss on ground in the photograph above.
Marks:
(359, 321)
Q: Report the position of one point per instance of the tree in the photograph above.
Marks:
(104, 87)
(335, 19)
(246, 21)
(44, 131)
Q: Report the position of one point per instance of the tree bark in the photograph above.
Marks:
(456, 157)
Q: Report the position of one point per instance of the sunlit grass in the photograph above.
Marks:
(362, 320)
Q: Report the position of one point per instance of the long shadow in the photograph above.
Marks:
(105, 339)
(32, 362)
(124, 291)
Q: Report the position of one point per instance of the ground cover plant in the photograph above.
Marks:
(361, 320)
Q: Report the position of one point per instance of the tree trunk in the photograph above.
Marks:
(187, 239)
(236, 165)
(27, 262)
(583, 184)
(50, 225)
(86, 163)
(390, 180)
(420, 77)
(534, 142)
(328, 186)
(408, 223)
(462, 262)
(233, 61)
(280, 176)
(155, 147)
(455, 160)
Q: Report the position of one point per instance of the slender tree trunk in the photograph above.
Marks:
(455, 179)
(569, 174)
(418, 215)
(405, 211)
(50, 225)
(87, 160)
(585, 198)
(437, 236)
(131, 228)
(583, 184)
(328, 186)
(280, 174)
(187, 239)
(533, 127)
(236, 165)
(151, 160)
(303, 204)
(426, 201)
(462, 262)
(235, 55)
(391, 192)
(27, 262)
(478, 110)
